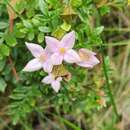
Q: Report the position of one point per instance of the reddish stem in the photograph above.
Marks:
(11, 23)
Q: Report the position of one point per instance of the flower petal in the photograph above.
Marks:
(33, 65)
(48, 52)
(59, 79)
(68, 40)
(56, 59)
(90, 63)
(48, 79)
(84, 64)
(86, 52)
(52, 44)
(56, 85)
(93, 60)
(47, 66)
(71, 56)
(35, 49)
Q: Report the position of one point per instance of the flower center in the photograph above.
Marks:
(62, 50)
(42, 58)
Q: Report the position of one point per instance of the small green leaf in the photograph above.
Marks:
(3, 85)
(2, 64)
(76, 3)
(99, 30)
(27, 24)
(10, 40)
(65, 26)
(35, 21)
(104, 10)
(31, 36)
(1, 40)
(40, 37)
(44, 29)
(1, 56)
(42, 6)
(3, 25)
(4, 50)
(30, 13)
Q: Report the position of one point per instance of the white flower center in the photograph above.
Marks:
(42, 58)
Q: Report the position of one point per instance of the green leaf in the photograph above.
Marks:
(3, 25)
(17, 96)
(65, 26)
(104, 10)
(1, 40)
(76, 3)
(40, 37)
(99, 30)
(4, 50)
(42, 6)
(44, 29)
(30, 13)
(31, 36)
(2, 64)
(1, 56)
(27, 24)
(10, 40)
(1, 34)
(3, 85)
(35, 21)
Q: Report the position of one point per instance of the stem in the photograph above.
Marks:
(117, 29)
(109, 89)
(122, 43)
(11, 24)
(19, 15)
(13, 68)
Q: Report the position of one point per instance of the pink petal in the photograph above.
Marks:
(68, 40)
(48, 79)
(56, 85)
(56, 59)
(52, 44)
(90, 63)
(48, 52)
(35, 49)
(84, 64)
(71, 56)
(93, 60)
(59, 79)
(86, 52)
(33, 65)
(47, 66)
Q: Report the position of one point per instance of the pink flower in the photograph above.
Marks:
(62, 50)
(55, 82)
(88, 58)
(41, 59)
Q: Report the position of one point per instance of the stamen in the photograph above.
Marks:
(62, 50)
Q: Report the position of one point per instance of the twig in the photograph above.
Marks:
(117, 29)
(18, 14)
(122, 43)
(11, 21)
(13, 68)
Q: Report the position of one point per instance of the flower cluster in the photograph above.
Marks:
(55, 53)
